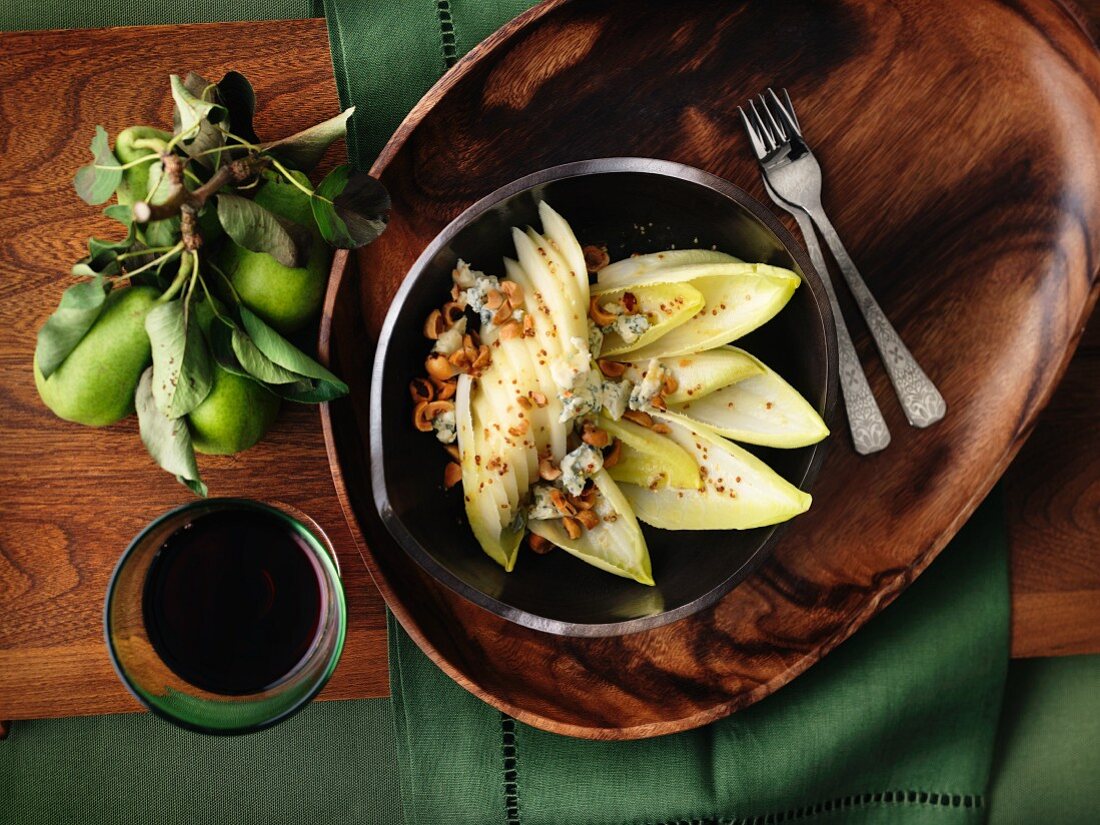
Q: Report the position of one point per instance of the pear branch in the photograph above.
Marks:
(181, 199)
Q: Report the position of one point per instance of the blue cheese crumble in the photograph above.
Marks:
(615, 397)
(631, 327)
(570, 369)
(649, 387)
(595, 339)
(583, 399)
(450, 340)
(446, 429)
(578, 466)
(541, 507)
(476, 287)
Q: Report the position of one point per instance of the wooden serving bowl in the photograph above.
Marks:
(979, 245)
(630, 205)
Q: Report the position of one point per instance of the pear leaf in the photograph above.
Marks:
(350, 207)
(238, 96)
(182, 372)
(80, 307)
(260, 230)
(98, 180)
(255, 363)
(167, 439)
(195, 117)
(305, 149)
(284, 353)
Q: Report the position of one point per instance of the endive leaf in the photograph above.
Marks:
(739, 490)
(762, 409)
(667, 306)
(634, 270)
(615, 545)
(700, 373)
(738, 299)
(650, 459)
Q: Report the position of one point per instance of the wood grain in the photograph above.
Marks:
(1053, 496)
(73, 497)
(985, 259)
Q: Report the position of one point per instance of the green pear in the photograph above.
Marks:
(95, 384)
(287, 298)
(234, 416)
(238, 411)
(135, 180)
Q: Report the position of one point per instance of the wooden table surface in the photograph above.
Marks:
(72, 497)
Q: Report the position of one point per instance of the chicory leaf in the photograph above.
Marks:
(79, 308)
(260, 230)
(167, 439)
(350, 207)
(182, 373)
(306, 148)
(97, 181)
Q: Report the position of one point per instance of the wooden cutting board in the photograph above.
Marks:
(71, 498)
(966, 189)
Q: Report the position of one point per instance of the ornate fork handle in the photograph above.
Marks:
(921, 401)
(869, 431)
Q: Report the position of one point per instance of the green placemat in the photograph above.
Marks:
(1047, 765)
(331, 764)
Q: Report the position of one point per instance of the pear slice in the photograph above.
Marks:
(553, 290)
(482, 496)
(535, 306)
(616, 544)
(505, 457)
(700, 373)
(739, 490)
(666, 305)
(560, 236)
(631, 270)
(546, 429)
(761, 409)
(735, 304)
(650, 459)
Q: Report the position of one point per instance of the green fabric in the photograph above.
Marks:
(22, 15)
(1047, 766)
(896, 726)
(331, 763)
(387, 54)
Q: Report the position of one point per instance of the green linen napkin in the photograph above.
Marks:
(25, 15)
(895, 726)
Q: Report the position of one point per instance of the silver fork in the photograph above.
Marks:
(794, 179)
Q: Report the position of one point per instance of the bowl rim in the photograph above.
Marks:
(376, 448)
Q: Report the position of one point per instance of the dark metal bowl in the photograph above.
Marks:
(631, 205)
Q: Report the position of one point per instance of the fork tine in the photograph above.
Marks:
(762, 129)
(790, 110)
(757, 143)
(784, 115)
(771, 118)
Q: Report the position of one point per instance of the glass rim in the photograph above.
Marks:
(322, 547)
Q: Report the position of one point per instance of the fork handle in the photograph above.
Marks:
(869, 431)
(921, 401)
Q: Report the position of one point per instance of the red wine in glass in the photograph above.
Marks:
(233, 600)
